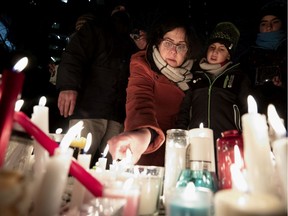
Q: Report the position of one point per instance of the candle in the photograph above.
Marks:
(102, 161)
(150, 180)
(225, 156)
(76, 170)
(58, 136)
(257, 150)
(280, 150)
(241, 202)
(177, 141)
(78, 191)
(11, 87)
(201, 148)
(40, 115)
(49, 197)
(230, 202)
(190, 201)
(128, 190)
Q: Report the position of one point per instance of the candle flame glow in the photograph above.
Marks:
(105, 152)
(21, 64)
(58, 131)
(18, 105)
(237, 158)
(88, 142)
(252, 105)
(201, 125)
(238, 179)
(42, 101)
(70, 135)
(275, 121)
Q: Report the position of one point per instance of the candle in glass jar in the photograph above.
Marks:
(128, 190)
(201, 147)
(190, 201)
(175, 157)
(225, 156)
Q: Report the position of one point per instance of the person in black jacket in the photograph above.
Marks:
(265, 61)
(219, 89)
(92, 78)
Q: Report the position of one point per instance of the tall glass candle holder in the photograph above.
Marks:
(225, 156)
(176, 144)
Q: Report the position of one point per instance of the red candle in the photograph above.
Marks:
(76, 170)
(11, 87)
(225, 156)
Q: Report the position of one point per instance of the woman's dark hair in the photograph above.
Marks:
(164, 24)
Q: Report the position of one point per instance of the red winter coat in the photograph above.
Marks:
(152, 101)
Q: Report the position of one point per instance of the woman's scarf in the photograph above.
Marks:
(213, 69)
(270, 40)
(180, 75)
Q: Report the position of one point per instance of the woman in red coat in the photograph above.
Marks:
(157, 84)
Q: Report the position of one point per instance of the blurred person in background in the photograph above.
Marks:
(92, 78)
(265, 62)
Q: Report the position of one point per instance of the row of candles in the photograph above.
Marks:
(258, 174)
(50, 173)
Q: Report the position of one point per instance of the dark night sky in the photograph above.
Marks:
(32, 19)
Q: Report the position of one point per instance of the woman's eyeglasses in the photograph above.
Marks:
(180, 48)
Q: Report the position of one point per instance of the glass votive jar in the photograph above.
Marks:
(103, 206)
(128, 190)
(177, 141)
(189, 201)
(225, 156)
(150, 180)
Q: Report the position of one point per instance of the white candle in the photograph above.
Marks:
(79, 190)
(40, 115)
(150, 180)
(257, 151)
(280, 150)
(49, 196)
(202, 146)
(232, 202)
(102, 161)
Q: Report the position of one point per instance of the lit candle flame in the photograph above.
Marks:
(237, 158)
(58, 131)
(70, 135)
(18, 105)
(42, 101)
(201, 125)
(88, 142)
(275, 121)
(238, 179)
(252, 105)
(105, 152)
(21, 64)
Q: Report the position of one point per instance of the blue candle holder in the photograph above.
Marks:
(190, 202)
(200, 178)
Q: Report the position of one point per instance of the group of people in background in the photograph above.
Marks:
(131, 83)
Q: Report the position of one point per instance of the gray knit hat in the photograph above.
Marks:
(225, 33)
